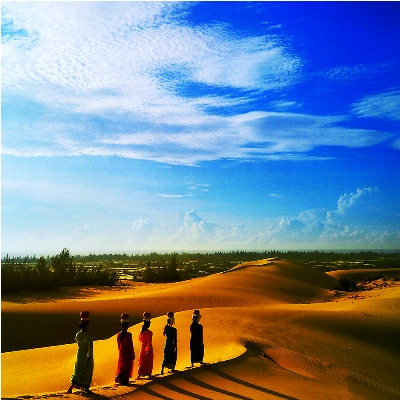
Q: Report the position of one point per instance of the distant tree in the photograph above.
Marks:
(148, 273)
(11, 278)
(346, 284)
(103, 275)
(42, 276)
(82, 276)
(173, 274)
(64, 269)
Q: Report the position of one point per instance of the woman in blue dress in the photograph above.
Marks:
(171, 344)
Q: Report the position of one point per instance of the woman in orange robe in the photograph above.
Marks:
(145, 364)
(126, 352)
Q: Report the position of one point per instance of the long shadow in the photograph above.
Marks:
(155, 394)
(166, 382)
(61, 293)
(198, 382)
(189, 376)
(250, 385)
(175, 388)
(91, 395)
(215, 368)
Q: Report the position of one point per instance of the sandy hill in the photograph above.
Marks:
(362, 274)
(273, 329)
(262, 282)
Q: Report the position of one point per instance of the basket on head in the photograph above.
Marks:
(124, 318)
(84, 315)
(170, 314)
(146, 316)
(196, 315)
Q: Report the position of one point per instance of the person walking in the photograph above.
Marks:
(84, 365)
(196, 339)
(171, 344)
(145, 364)
(125, 351)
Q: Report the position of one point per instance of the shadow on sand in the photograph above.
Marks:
(61, 293)
(173, 382)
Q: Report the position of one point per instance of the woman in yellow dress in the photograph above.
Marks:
(83, 372)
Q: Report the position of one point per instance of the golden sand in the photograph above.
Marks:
(272, 330)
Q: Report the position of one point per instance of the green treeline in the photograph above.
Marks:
(41, 274)
(164, 272)
(45, 274)
(242, 256)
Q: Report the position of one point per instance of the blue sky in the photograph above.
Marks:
(187, 126)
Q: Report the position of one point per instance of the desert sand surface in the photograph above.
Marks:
(272, 330)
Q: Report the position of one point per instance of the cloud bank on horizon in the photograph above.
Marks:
(208, 87)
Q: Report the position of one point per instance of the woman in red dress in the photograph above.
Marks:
(126, 352)
(145, 364)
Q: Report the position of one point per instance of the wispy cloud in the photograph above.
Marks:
(202, 187)
(282, 105)
(272, 27)
(88, 60)
(355, 73)
(122, 83)
(254, 135)
(383, 106)
(171, 196)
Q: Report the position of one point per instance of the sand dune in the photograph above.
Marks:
(248, 285)
(272, 330)
(360, 274)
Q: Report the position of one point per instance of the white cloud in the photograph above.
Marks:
(202, 187)
(275, 26)
(251, 63)
(171, 196)
(396, 144)
(96, 57)
(354, 207)
(109, 77)
(196, 231)
(82, 230)
(356, 72)
(284, 104)
(254, 135)
(142, 224)
(383, 106)
(358, 222)
(238, 232)
(142, 231)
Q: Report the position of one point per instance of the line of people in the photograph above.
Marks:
(84, 365)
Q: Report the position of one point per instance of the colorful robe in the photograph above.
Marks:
(145, 363)
(126, 357)
(170, 348)
(196, 343)
(83, 371)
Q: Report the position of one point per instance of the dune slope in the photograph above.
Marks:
(272, 330)
(252, 283)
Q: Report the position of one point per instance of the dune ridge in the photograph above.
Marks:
(311, 367)
(273, 329)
